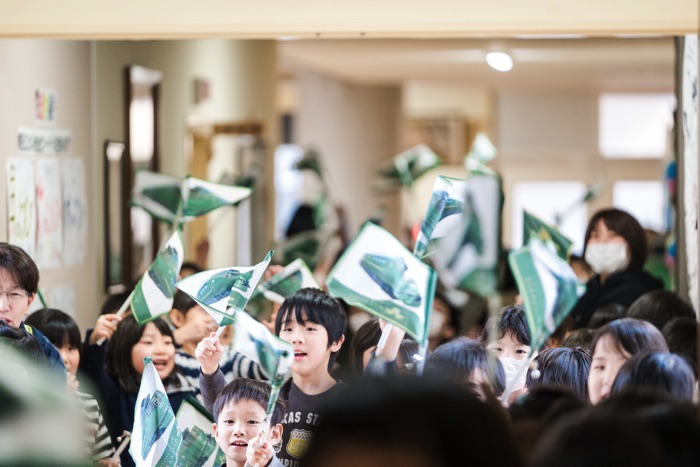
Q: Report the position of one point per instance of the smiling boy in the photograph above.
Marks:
(313, 323)
(240, 417)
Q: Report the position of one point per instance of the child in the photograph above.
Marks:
(661, 372)
(240, 414)
(313, 323)
(116, 370)
(64, 334)
(466, 362)
(614, 344)
(562, 367)
(511, 344)
(187, 315)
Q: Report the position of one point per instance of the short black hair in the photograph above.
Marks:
(319, 308)
(183, 302)
(632, 336)
(562, 367)
(366, 337)
(457, 360)
(58, 327)
(191, 265)
(659, 307)
(626, 226)
(250, 389)
(119, 364)
(661, 372)
(681, 335)
(20, 266)
(511, 320)
(23, 343)
(606, 313)
(114, 301)
(579, 338)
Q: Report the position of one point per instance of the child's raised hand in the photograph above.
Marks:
(259, 454)
(209, 354)
(195, 329)
(104, 327)
(72, 384)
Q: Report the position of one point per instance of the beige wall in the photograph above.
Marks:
(353, 127)
(64, 67)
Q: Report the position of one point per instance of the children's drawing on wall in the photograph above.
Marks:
(74, 211)
(49, 210)
(21, 200)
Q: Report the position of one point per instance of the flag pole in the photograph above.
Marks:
(121, 311)
(125, 438)
(219, 331)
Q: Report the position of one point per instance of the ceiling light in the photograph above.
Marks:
(499, 61)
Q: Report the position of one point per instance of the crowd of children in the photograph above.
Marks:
(616, 385)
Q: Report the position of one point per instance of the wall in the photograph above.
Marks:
(64, 67)
(353, 127)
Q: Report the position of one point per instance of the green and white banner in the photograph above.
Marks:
(533, 227)
(252, 339)
(408, 166)
(468, 256)
(548, 286)
(155, 438)
(293, 277)
(224, 291)
(160, 195)
(378, 274)
(444, 212)
(199, 447)
(153, 294)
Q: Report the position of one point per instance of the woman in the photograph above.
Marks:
(616, 249)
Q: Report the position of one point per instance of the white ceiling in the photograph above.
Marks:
(622, 64)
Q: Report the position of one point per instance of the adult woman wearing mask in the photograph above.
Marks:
(616, 249)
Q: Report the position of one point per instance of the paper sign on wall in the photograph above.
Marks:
(74, 212)
(49, 202)
(21, 200)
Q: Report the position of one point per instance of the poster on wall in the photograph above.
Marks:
(691, 149)
(21, 201)
(74, 211)
(63, 298)
(49, 235)
(43, 141)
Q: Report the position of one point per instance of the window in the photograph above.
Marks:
(635, 126)
(644, 199)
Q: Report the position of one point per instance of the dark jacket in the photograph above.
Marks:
(622, 287)
(55, 360)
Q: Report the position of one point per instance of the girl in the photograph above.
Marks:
(562, 367)
(613, 345)
(117, 370)
(616, 249)
(63, 332)
(661, 372)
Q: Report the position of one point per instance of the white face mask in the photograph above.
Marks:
(512, 366)
(606, 258)
(356, 320)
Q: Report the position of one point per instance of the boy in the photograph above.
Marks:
(19, 282)
(313, 323)
(240, 416)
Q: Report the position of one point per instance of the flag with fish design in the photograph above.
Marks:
(444, 213)
(378, 274)
(293, 277)
(468, 256)
(199, 447)
(160, 195)
(153, 294)
(224, 291)
(533, 227)
(548, 286)
(155, 437)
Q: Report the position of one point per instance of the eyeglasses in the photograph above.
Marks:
(13, 298)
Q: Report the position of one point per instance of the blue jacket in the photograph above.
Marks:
(54, 358)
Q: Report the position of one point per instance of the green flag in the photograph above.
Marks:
(293, 277)
(535, 228)
(406, 167)
(199, 447)
(153, 294)
(160, 195)
(468, 256)
(378, 274)
(155, 438)
(548, 286)
(444, 212)
(223, 292)
(308, 246)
